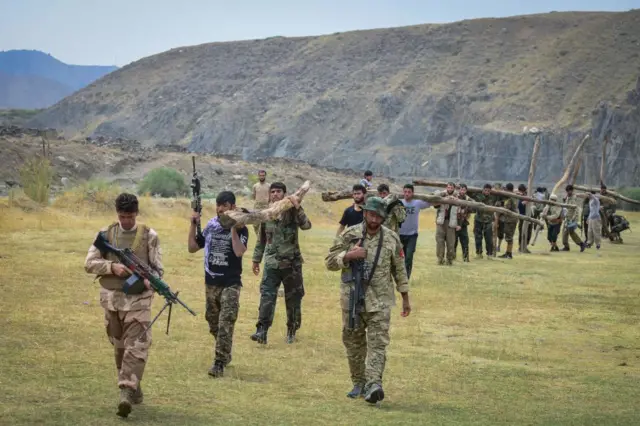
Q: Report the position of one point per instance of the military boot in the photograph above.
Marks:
(124, 407)
(138, 396)
(356, 392)
(374, 394)
(291, 335)
(260, 335)
(217, 369)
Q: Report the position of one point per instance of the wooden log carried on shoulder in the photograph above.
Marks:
(609, 194)
(472, 189)
(256, 217)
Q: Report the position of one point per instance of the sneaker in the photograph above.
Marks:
(217, 369)
(374, 394)
(124, 407)
(356, 392)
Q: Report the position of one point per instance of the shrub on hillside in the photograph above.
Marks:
(35, 177)
(164, 181)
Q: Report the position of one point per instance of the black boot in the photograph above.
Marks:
(374, 394)
(356, 392)
(291, 335)
(217, 370)
(260, 335)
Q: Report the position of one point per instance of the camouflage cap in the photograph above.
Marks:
(376, 205)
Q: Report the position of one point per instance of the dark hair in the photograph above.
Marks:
(522, 187)
(358, 187)
(225, 197)
(451, 183)
(383, 187)
(368, 173)
(603, 186)
(278, 185)
(509, 186)
(539, 189)
(127, 203)
(569, 188)
(262, 171)
(593, 192)
(409, 186)
(463, 185)
(487, 186)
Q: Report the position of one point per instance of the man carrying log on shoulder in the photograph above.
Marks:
(483, 222)
(571, 221)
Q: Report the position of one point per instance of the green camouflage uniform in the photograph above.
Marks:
(463, 222)
(278, 243)
(397, 215)
(366, 345)
(483, 222)
(573, 217)
(126, 316)
(509, 222)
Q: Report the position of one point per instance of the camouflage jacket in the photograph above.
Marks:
(397, 215)
(278, 242)
(379, 294)
(554, 215)
(463, 212)
(510, 204)
(444, 209)
(573, 215)
(489, 200)
(149, 251)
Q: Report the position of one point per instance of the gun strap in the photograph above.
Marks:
(375, 259)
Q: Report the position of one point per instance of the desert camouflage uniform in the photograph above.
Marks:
(366, 345)
(126, 316)
(278, 243)
(483, 222)
(446, 229)
(573, 216)
(261, 200)
(397, 215)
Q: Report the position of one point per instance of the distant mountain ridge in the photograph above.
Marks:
(33, 79)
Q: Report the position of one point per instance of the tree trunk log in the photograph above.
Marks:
(604, 158)
(529, 207)
(569, 168)
(497, 192)
(244, 217)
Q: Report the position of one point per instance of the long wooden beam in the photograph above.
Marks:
(608, 192)
(472, 189)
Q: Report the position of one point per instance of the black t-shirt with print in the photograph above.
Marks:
(222, 267)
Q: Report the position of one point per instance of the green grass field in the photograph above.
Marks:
(547, 338)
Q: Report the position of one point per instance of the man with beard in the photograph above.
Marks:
(260, 194)
(278, 244)
(409, 231)
(462, 234)
(396, 213)
(509, 222)
(553, 216)
(381, 251)
(446, 223)
(352, 215)
(223, 250)
(571, 221)
(483, 222)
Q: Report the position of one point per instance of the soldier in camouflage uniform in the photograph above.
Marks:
(483, 222)
(462, 234)
(366, 344)
(571, 221)
(126, 315)
(606, 213)
(552, 215)
(510, 222)
(396, 213)
(278, 243)
(223, 250)
(446, 224)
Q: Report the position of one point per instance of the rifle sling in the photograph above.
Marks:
(375, 260)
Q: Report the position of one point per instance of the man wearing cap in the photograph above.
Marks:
(366, 343)
(571, 221)
(278, 243)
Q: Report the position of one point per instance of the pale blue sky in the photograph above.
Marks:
(117, 32)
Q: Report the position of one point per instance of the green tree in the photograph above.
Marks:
(164, 181)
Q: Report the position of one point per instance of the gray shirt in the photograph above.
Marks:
(594, 208)
(410, 224)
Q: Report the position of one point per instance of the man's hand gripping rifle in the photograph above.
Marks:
(361, 278)
(196, 203)
(139, 272)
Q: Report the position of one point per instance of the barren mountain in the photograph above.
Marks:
(390, 99)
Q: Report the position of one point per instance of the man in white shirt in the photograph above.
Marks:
(409, 230)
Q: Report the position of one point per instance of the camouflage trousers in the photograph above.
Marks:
(291, 279)
(123, 329)
(483, 230)
(366, 346)
(223, 304)
(509, 229)
(445, 237)
(566, 233)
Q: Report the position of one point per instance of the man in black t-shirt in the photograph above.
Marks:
(223, 250)
(353, 215)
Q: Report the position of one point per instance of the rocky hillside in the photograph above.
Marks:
(389, 99)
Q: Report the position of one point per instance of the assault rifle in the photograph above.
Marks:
(139, 272)
(359, 288)
(196, 203)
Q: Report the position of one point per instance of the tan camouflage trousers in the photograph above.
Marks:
(223, 304)
(445, 237)
(366, 346)
(123, 329)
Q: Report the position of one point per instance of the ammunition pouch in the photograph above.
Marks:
(134, 285)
